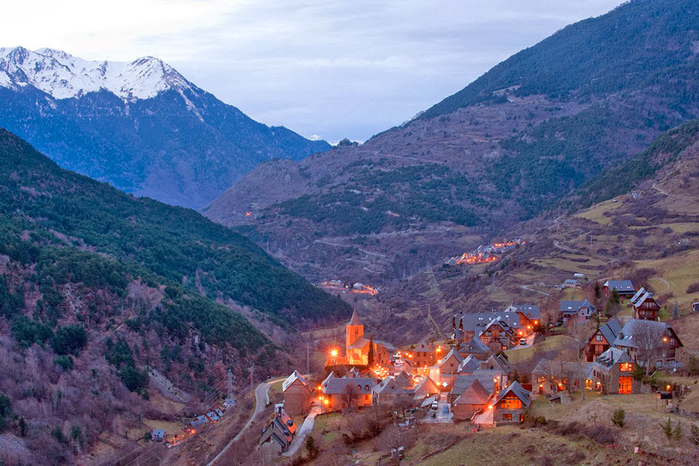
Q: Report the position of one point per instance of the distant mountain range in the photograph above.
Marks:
(140, 126)
(509, 146)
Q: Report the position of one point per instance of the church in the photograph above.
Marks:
(358, 347)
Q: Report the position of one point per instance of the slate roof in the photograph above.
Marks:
(403, 380)
(485, 377)
(388, 386)
(621, 286)
(612, 356)
(610, 330)
(424, 347)
(426, 385)
(625, 338)
(293, 378)
(518, 391)
(359, 343)
(361, 386)
(476, 346)
(572, 307)
(469, 366)
(452, 353)
(503, 323)
(638, 294)
(475, 394)
(477, 322)
(642, 299)
(529, 310)
(354, 320)
(499, 361)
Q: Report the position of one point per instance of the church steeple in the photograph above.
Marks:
(354, 330)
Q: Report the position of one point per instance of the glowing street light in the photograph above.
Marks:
(333, 353)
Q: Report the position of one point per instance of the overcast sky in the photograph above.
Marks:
(336, 68)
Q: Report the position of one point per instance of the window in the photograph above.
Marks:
(510, 403)
(625, 385)
(626, 367)
(507, 417)
(598, 337)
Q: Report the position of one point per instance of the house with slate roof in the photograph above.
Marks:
(613, 373)
(552, 376)
(510, 404)
(644, 306)
(425, 388)
(475, 348)
(529, 316)
(572, 312)
(279, 433)
(624, 288)
(668, 342)
(346, 393)
(424, 354)
(475, 398)
(601, 340)
(499, 332)
(491, 380)
(446, 369)
(387, 392)
(297, 394)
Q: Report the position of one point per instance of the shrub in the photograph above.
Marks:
(619, 417)
(667, 428)
(64, 362)
(28, 332)
(134, 380)
(5, 409)
(693, 288)
(69, 340)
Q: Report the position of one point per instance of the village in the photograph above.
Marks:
(485, 254)
(469, 379)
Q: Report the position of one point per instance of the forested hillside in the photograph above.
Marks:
(98, 289)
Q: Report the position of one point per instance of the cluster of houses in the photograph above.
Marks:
(484, 254)
(471, 374)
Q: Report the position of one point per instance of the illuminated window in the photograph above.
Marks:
(626, 367)
(507, 417)
(625, 385)
(511, 403)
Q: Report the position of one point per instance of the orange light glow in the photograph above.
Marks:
(490, 406)
(327, 402)
(248, 214)
(333, 353)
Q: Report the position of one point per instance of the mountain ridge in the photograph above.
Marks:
(150, 132)
(507, 156)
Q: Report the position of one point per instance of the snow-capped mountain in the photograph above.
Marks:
(141, 126)
(65, 76)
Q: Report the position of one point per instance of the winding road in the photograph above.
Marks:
(261, 401)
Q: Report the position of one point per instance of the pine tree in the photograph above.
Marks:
(370, 357)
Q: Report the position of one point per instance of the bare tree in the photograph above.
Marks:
(648, 339)
(350, 396)
(580, 335)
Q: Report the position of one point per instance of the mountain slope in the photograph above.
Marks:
(504, 150)
(175, 243)
(140, 126)
(641, 43)
(116, 311)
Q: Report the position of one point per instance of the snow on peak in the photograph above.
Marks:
(65, 76)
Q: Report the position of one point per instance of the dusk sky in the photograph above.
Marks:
(332, 68)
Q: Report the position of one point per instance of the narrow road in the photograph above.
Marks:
(526, 287)
(261, 400)
(302, 433)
